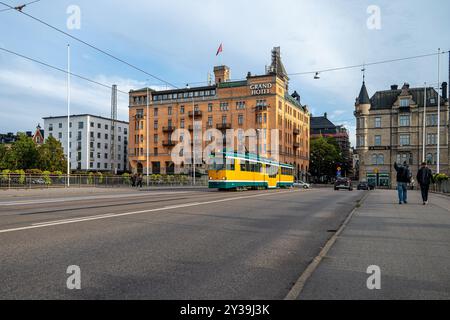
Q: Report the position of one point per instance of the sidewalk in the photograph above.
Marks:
(410, 243)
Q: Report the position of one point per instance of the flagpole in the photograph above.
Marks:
(424, 122)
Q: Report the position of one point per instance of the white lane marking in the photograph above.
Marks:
(113, 215)
(29, 202)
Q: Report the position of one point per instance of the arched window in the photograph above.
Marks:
(380, 159)
(374, 159)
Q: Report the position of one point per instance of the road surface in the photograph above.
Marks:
(179, 244)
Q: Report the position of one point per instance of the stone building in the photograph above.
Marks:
(390, 129)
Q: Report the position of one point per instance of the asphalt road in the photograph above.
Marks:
(179, 244)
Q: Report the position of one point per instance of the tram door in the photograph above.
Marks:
(272, 173)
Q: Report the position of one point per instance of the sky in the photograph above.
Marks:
(177, 41)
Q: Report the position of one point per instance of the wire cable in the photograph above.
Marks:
(92, 46)
(19, 8)
(61, 70)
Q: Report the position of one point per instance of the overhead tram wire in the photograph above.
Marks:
(61, 70)
(349, 67)
(19, 7)
(91, 46)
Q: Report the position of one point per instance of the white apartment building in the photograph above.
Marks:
(93, 142)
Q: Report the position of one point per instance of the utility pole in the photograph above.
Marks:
(424, 123)
(147, 138)
(68, 115)
(438, 169)
(113, 129)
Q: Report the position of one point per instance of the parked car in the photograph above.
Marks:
(343, 183)
(363, 185)
(372, 186)
(301, 184)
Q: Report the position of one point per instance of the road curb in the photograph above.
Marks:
(297, 289)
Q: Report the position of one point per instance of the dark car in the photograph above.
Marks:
(364, 186)
(343, 183)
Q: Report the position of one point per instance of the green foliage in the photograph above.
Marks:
(46, 177)
(51, 156)
(90, 178)
(100, 177)
(5, 174)
(23, 154)
(21, 176)
(440, 177)
(325, 156)
(126, 178)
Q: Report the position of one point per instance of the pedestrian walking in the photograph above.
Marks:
(139, 181)
(133, 180)
(425, 178)
(403, 178)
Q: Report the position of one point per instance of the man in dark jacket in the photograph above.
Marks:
(403, 178)
(425, 178)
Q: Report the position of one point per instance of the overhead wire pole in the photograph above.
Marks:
(147, 159)
(68, 116)
(424, 123)
(438, 169)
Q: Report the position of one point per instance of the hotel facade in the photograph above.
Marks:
(260, 103)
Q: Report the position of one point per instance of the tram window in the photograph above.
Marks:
(230, 166)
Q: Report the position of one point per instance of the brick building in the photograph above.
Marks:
(260, 102)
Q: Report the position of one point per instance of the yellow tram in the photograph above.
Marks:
(249, 171)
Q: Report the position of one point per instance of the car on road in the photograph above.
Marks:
(301, 184)
(364, 185)
(343, 183)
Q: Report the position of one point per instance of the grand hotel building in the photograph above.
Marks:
(260, 102)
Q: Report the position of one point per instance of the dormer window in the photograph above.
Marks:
(404, 103)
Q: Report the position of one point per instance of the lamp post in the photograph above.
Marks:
(193, 137)
(147, 138)
(439, 116)
(68, 115)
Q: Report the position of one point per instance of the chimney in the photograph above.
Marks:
(221, 74)
(405, 86)
(325, 115)
(394, 87)
(444, 91)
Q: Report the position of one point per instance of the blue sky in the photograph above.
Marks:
(177, 41)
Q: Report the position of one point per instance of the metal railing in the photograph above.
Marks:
(38, 181)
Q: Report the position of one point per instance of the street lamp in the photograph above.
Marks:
(193, 138)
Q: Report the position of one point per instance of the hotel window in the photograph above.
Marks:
(202, 93)
(169, 123)
(196, 94)
(155, 151)
(432, 139)
(431, 159)
(241, 119)
(224, 106)
(182, 110)
(432, 120)
(377, 159)
(377, 122)
(210, 121)
(210, 107)
(182, 124)
(169, 111)
(259, 118)
(224, 119)
(377, 140)
(155, 139)
(155, 112)
(405, 140)
(240, 105)
(155, 125)
(404, 103)
(404, 121)
(261, 103)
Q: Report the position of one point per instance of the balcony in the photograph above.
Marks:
(223, 126)
(196, 113)
(296, 131)
(139, 116)
(169, 144)
(296, 145)
(169, 129)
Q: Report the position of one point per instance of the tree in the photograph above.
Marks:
(325, 156)
(51, 156)
(5, 155)
(23, 154)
